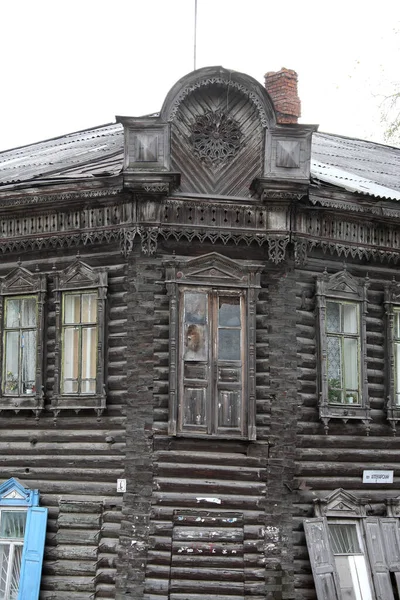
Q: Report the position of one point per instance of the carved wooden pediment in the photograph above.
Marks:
(79, 275)
(13, 493)
(341, 285)
(340, 504)
(214, 269)
(22, 281)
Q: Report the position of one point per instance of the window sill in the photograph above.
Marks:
(17, 403)
(344, 412)
(96, 402)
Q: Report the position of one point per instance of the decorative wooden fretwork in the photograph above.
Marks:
(340, 504)
(342, 290)
(215, 137)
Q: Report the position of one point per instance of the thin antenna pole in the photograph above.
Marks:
(195, 35)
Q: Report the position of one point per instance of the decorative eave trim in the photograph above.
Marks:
(303, 246)
(23, 199)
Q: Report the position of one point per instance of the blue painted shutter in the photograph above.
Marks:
(32, 554)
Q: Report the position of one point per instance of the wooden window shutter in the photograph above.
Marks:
(377, 558)
(32, 554)
(391, 540)
(322, 560)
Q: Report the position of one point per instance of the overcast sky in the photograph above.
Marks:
(67, 66)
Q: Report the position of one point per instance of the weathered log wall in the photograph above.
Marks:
(75, 459)
(337, 460)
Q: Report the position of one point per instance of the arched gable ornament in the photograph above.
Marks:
(218, 76)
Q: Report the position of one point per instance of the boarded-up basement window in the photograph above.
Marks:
(207, 555)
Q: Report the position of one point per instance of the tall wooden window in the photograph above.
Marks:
(212, 362)
(22, 296)
(20, 340)
(392, 310)
(343, 352)
(79, 381)
(341, 309)
(212, 346)
(79, 350)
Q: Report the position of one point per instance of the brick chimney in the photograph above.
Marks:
(282, 87)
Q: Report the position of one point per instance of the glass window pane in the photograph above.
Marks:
(333, 317)
(28, 361)
(71, 353)
(229, 311)
(70, 386)
(12, 524)
(88, 386)
(15, 572)
(396, 324)
(344, 538)
(195, 308)
(195, 342)
(89, 308)
(229, 344)
(351, 363)
(350, 318)
(397, 369)
(28, 312)
(4, 562)
(12, 362)
(194, 406)
(88, 353)
(334, 359)
(229, 405)
(13, 306)
(72, 308)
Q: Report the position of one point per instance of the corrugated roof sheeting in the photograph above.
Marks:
(364, 163)
(76, 155)
(355, 165)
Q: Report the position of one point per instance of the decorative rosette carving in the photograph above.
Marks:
(216, 137)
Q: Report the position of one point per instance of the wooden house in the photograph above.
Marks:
(200, 358)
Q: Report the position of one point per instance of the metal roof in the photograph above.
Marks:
(351, 164)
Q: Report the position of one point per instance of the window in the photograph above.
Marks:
(342, 306)
(212, 342)
(79, 343)
(355, 558)
(22, 537)
(348, 552)
(392, 310)
(22, 297)
(211, 375)
(80, 329)
(343, 352)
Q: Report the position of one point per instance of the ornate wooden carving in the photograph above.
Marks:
(340, 504)
(342, 286)
(19, 282)
(80, 276)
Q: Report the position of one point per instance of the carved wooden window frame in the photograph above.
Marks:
(21, 283)
(214, 272)
(381, 537)
(342, 288)
(392, 307)
(80, 277)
